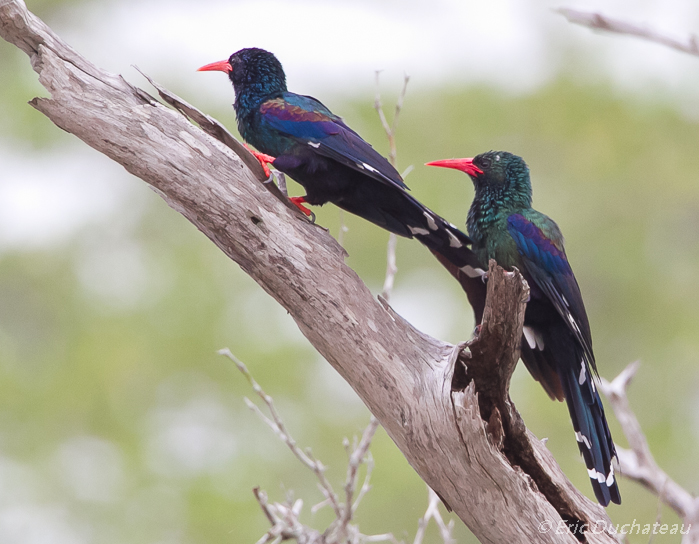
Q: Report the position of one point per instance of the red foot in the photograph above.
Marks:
(298, 201)
(264, 159)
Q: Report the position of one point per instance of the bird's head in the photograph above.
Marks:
(496, 170)
(252, 68)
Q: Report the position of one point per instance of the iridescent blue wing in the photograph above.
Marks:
(308, 121)
(545, 261)
(540, 246)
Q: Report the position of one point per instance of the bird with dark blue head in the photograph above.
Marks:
(557, 343)
(301, 137)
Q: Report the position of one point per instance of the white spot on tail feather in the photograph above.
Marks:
(314, 144)
(418, 230)
(572, 321)
(534, 338)
(365, 166)
(453, 240)
(583, 371)
(608, 480)
(596, 475)
(430, 221)
(529, 335)
(583, 439)
(472, 272)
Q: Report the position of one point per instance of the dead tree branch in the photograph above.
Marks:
(463, 436)
(284, 518)
(277, 425)
(597, 21)
(638, 463)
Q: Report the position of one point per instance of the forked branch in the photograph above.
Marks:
(638, 463)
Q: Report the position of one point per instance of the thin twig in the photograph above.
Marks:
(596, 21)
(369, 462)
(407, 171)
(390, 129)
(284, 518)
(432, 512)
(391, 267)
(276, 531)
(638, 463)
(356, 459)
(277, 425)
(378, 106)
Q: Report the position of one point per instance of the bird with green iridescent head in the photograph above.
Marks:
(557, 343)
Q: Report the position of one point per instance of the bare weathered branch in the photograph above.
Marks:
(467, 442)
(285, 522)
(432, 512)
(597, 21)
(284, 518)
(359, 455)
(277, 425)
(638, 463)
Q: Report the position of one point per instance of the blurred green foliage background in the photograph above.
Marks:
(119, 423)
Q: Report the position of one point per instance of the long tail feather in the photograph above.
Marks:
(591, 431)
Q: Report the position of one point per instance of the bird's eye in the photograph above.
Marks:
(484, 163)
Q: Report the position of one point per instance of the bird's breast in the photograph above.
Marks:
(496, 243)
